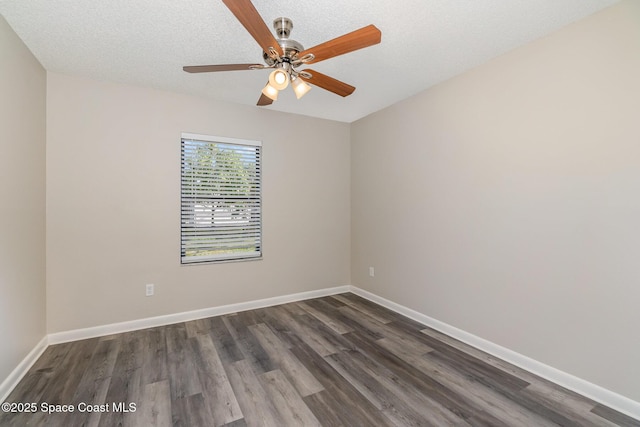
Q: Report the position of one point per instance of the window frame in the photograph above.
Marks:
(256, 182)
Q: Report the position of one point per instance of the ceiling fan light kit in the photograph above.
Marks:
(285, 55)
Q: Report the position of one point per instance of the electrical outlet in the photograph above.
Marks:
(371, 272)
(149, 289)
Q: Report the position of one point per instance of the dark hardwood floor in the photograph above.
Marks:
(332, 361)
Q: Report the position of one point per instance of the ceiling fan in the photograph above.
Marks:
(285, 55)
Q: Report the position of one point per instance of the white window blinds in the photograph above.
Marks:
(221, 206)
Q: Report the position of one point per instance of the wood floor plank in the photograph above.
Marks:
(278, 320)
(320, 333)
(391, 315)
(614, 416)
(338, 360)
(155, 409)
(53, 357)
(154, 357)
(191, 411)
(578, 410)
(364, 320)
(31, 387)
(237, 423)
(375, 388)
(324, 407)
(481, 355)
(331, 301)
(365, 306)
(255, 403)
(197, 327)
(250, 317)
(398, 338)
(40, 384)
(34, 386)
(491, 375)
(358, 322)
(550, 388)
(483, 373)
(183, 374)
(422, 404)
(450, 400)
(314, 338)
(292, 307)
(123, 391)
(294, 370)
(500, 408)
(503, 383)
(249, 344)
(287, 401)
(126, 380)
(34, 382)
(320, 313)
(44, 375)
(65, 381)
(227, 348)
(94, 385)
(220, 398)
(361, 410)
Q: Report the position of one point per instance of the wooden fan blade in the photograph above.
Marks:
(328, 83)
(264, 100)
(225, 67)
(358, 39)
(249, 17)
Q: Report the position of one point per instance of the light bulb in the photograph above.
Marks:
(279, 79)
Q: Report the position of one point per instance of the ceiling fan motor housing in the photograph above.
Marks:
(290, 47)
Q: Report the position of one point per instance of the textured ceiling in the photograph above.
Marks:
(146, 42)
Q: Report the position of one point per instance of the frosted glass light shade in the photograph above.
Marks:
(270, 92)
(300, 87)
(279, 79)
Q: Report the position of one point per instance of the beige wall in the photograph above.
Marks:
(506, 201)
(22, 195)
(113, 199)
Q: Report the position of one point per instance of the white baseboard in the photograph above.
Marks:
(571, 382)
(18, 373)
(23, 367)
(150, 322)
(595, 392)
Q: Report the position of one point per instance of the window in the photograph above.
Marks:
(221, 206)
